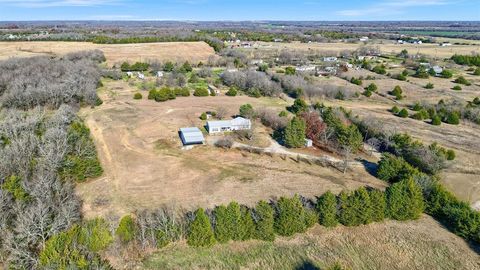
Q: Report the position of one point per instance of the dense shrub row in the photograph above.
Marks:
(471, 60)
(284, 217)
(166, 93)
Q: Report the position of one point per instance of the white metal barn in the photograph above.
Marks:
(191, 135)
(238, 123)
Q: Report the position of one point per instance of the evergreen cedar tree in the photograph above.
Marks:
(405, 200)
(265, 221)
(126, 229)
(13, 185)
(458, 216)
(200, 233)
(247, 225)
(201, 92)
(246, 110)
(403, 113)
(77, 247)
(327, 209)
(379, 205)
(291, 216)
(289, 71)
(299, 106)
(232, 92)
(355, 208)
(234, 216)
(397, 92)
(393, 169)
(436, 120)
(295, 133)
(395, 109)
(453, 118)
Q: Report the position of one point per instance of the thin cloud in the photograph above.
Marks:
(391, 7)
(58, 3)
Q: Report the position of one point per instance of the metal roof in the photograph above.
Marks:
(191, 135)
(239, 121)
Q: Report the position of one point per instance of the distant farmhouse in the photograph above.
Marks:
(238, 123)
(330, 59)
(191, 135)
(306, 68)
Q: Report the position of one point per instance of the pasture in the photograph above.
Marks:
(386, 47)
(115, 53)
(144, 165)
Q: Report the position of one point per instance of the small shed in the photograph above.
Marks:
(191, 135)
(141, 76)
(159, 74)
(438, 70)
(308, 143)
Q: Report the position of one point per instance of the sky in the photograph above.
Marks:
(237, 10)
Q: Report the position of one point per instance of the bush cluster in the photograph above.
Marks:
(166, 93)
(138, 66)
(397, 92)
(356, 81)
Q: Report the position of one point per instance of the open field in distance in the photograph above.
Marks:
(115, 53)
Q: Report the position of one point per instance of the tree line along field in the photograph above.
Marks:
(147, 193)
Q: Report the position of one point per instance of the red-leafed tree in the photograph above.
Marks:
(314, 125)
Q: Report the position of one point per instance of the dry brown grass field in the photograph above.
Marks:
(388, 47)
(115, 53)
(144, 165)
(420, 244)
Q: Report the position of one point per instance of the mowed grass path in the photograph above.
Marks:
(422, 244)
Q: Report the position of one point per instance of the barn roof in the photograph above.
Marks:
(191, 135)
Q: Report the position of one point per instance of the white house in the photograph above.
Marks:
(330, 59)
(306, 68)
(238, 123)
(256, 62)
(141, 76)
(159, 74)
(364, 39)
(129, 74)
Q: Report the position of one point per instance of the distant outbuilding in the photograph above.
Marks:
(308, 143)
(191, 135)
